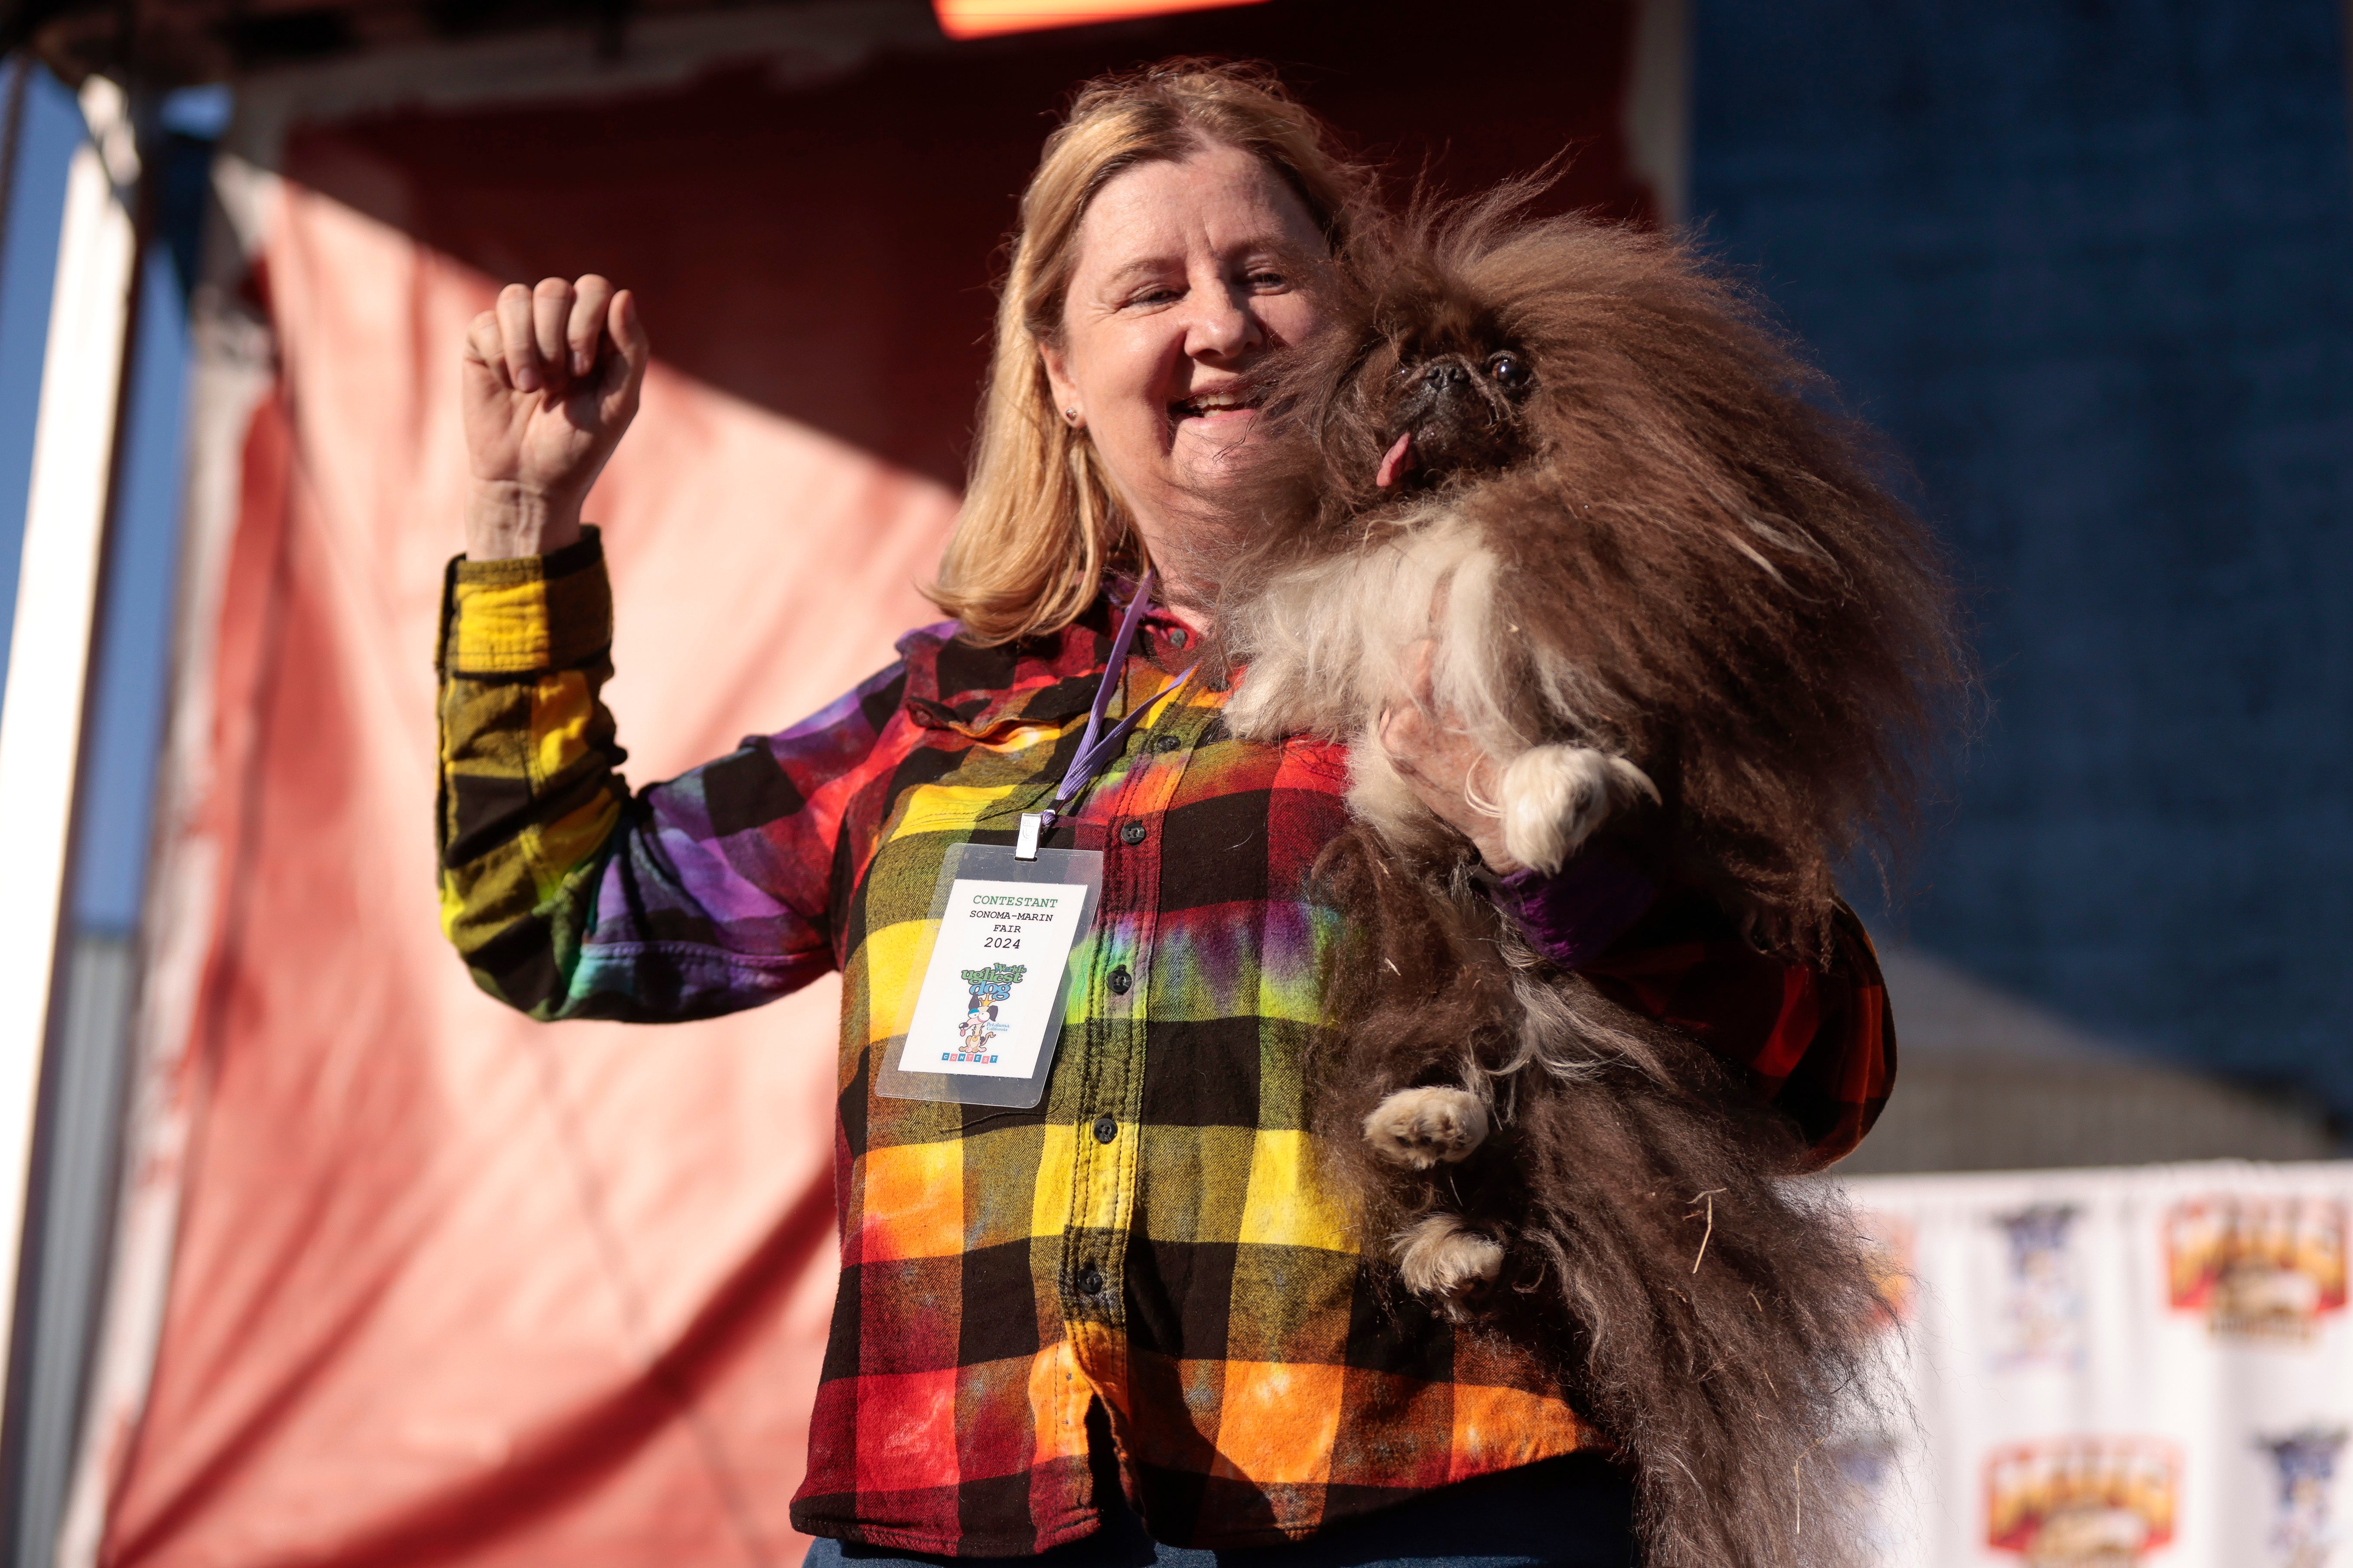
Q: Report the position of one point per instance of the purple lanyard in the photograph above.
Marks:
(1097, 746)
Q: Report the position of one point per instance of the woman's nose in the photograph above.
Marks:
(1223, 327)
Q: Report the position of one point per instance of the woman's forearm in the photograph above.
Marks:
(569, 897)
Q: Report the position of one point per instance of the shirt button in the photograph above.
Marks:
(1132, 833)
(1178, 637)
(1106, 1129)
(1120, 981)
(1166, 744)
(1091, 1280)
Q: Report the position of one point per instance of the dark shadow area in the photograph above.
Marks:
(2090, 268)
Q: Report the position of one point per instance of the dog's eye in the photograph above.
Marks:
(1506, 368)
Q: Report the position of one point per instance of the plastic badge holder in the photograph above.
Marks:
(993, 1017)
(977, 1002)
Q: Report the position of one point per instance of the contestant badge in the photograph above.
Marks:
(984, 1017)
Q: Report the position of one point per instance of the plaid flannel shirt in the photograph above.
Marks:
(1150, 1236)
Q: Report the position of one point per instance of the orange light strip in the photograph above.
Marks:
(983, 19)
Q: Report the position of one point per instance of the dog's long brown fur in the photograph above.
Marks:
(1648, 567)
(1715, 1325)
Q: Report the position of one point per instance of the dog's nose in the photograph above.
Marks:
(1447, 375)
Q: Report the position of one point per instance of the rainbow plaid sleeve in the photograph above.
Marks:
(568, 896)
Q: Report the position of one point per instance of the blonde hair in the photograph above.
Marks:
(1040, 520)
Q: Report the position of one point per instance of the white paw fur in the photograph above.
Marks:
(1424, 1127)
(1552, 798)
(1439, 1255)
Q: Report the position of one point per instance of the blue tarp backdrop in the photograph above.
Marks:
(2091, 266)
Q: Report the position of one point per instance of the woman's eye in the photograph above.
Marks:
(1507, 369)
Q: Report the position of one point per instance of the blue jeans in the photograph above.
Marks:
(1572, 1512)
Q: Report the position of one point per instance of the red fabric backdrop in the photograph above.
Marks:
(447, 1287)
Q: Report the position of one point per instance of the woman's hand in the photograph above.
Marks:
(551, 382)
(1441, 764)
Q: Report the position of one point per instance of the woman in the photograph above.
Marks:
(1128, 1317)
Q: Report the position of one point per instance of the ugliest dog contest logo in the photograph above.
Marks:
(2260, 1268)
(2305, 1463)
(2041, 1318)
(2082, 1502)
(990, 989)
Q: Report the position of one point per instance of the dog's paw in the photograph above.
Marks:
(1555, 797)
(1426, 1127)
(1442, 1258)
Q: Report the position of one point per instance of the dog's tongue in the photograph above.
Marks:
(1399, 460)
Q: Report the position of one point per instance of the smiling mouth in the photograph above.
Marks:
(1209, 405)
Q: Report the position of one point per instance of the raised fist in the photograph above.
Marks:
(552, 377)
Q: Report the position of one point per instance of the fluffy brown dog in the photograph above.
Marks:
(1568, 471)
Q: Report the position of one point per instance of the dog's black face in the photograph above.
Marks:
(1456, 396)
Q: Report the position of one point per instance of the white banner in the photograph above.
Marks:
(2116, 1367)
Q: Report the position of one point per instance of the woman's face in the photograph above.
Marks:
(1187, 273)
